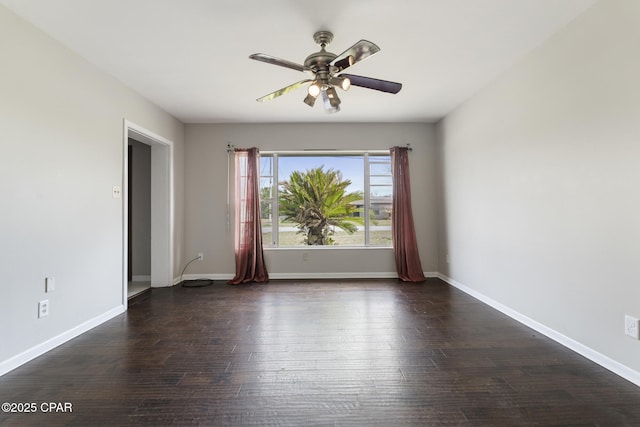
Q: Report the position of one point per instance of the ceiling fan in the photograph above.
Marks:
(327, 71)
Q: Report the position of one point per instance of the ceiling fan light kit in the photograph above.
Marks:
(326, 68)
(331, 100)
(310, 100)
(314, 88)
(343, 83)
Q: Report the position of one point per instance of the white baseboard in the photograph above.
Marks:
(301, 276)
(224, 277)
(50, 344)
(599, 358)
(333, 275)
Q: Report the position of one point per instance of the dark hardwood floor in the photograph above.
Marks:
(317, 353)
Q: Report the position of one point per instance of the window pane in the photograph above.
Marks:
(380, 180)
(266, 185)
(380, 165)
(380, 191)
(266, 201)
(337, 200)
(350, 167)
(266, 222)
(266, 166)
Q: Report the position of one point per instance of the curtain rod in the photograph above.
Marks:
(231, 148)
(330, 152)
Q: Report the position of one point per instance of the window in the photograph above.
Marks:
(326, 198)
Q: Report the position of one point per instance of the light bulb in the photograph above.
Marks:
(314, 89)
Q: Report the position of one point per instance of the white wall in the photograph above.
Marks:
(61, 138)
(206, 193)
(540, 171)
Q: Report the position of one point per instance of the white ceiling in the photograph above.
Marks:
(190, 57)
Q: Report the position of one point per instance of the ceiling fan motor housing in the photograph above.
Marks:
(319, 61)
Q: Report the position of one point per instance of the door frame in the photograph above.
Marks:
(162, 205)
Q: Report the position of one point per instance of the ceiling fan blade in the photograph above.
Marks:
(282, 91)
(277, 61)
(356, 53)
(371, 83)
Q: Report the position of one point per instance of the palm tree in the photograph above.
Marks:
(316, 200)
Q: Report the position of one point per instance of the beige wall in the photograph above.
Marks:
(61, 137)
(540, 173)
(206, 193)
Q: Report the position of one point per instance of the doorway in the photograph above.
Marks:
(139, 218)
(160, 215)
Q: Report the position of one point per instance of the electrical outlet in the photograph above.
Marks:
(200, 256)
(116, 192)
(305, 256)
(631, 326)
(43, 308)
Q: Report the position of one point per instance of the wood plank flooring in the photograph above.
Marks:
(317, 353)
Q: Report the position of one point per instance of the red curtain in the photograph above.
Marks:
(250, 266)
(405, 246)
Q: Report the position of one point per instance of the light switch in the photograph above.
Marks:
(50, 284)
